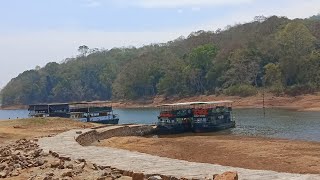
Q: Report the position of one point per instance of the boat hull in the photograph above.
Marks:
(206, 127)
(100, 120)
(172, 129)
(108, 121)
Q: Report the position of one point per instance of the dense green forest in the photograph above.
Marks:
(275, 53)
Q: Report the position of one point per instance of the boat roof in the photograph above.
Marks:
(198, 103)
(49, 104)
(90, 102)
(73, 103)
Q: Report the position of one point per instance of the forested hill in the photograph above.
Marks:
(276, 53)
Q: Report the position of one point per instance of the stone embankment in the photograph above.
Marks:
(74, 144)
(89, 136)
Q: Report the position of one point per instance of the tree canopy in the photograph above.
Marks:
(275, 53)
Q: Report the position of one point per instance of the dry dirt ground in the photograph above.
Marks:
(12, 130)
(246, 152)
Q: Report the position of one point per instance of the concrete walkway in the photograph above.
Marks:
(65, 144)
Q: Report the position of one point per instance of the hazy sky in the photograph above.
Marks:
(35, 32)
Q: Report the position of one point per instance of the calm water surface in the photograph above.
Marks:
(279, 123)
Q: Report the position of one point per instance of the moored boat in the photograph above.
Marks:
(98, 112)
(174, 119)
(212, 116)
(195, 117)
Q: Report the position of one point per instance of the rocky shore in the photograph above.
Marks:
(25, 160)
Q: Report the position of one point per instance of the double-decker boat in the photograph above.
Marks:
(212, 116)
(195, 117)
(98, 112)
(174, 119)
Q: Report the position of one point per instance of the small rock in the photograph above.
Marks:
(117, 171)
(15, 173)
(18, 127)
(128, 173)
(36, 153)
(103, 167)
(65, 158)
(106, 178)
(55, 164)
(67, 178)
(69, 166)
(45, 154)
(80, 161)
(81, 165)
(32, 177)
(16, 166)
(165, 177)
(102, 178)
(184, 178)
(61, 166)
(15, 157)
(138, 176)
(16, 152)
(78, 132)
(105, 173)
(92, 166)
(9, 169)
(155, 178)
(47, 178)
(116, 175)
(227, 176)
(3, 166)
(6, 153)
(54, 154)
(3, 174)
(125, 178)
(40, 162)
(170, 177)
(50, 174)
(79, 168)
(67, 173)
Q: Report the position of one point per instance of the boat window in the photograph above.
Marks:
(201, 119)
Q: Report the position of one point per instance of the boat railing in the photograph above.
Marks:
(90, 105)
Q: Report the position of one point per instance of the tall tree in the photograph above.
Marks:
(295, 42)
(199, 62)
(244, 68)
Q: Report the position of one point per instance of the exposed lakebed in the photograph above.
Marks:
(278, 123)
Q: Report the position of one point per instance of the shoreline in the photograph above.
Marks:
(260, 153)
(299, 103)
(309, 103)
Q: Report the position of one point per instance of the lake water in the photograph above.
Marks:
(279, 123)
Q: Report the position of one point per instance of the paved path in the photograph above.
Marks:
(65, 144)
